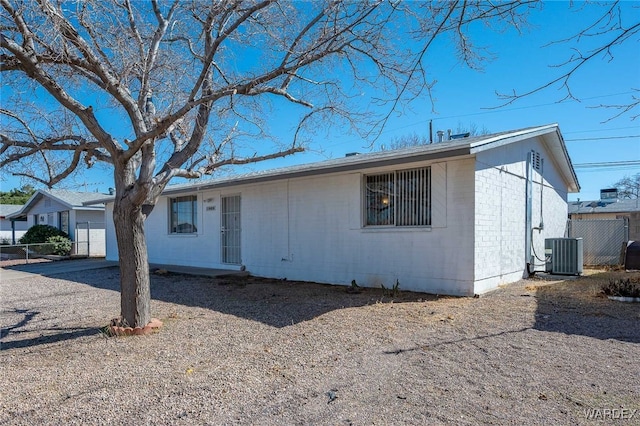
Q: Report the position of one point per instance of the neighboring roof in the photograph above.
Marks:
(71, 199)
(442, 150)
(589, 207)
(7, 209)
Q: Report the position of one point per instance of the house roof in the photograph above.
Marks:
(70, 199)
(7, 209)
(452, 148)
(590, 207)
(550, 134)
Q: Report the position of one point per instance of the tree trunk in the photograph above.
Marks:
(135, 294)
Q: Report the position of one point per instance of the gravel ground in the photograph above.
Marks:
(252, 351)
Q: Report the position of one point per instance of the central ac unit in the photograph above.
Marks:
(563, 256)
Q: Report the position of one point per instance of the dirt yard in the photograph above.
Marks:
(249, 351)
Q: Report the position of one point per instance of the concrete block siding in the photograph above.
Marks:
(310, 226)
(311, 229)
(500, 212)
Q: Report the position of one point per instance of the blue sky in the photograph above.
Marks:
(462, 98)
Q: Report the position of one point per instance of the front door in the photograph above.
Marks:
(230, 230)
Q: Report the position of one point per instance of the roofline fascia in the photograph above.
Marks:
(507, 139)
(570, 177)
(339, 168)
(39, 192)
(383, 162)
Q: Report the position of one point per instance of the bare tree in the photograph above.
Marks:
(164, 89)
(629, 187)
(415, 139)
(405, 141)
(616, 25)
(472, 129)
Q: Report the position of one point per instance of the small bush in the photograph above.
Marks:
(40, 234)
(393, 291)
(59, 245)
(624, 288)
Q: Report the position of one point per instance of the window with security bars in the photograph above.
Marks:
(184, 214)
(401, 198)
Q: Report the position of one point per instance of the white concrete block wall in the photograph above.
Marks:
(311, 229)
(499, 224)
(501, 211)
(177, 249)
(200, 249)
(327, 247)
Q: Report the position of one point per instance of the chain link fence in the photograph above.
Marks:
(33, 252)
(604, 239)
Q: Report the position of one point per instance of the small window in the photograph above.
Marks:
(63, 221)
(401, 198)
(184, 214)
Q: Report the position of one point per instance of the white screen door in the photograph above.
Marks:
(231, 230)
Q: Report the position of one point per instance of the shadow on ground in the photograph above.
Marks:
(278, 303)
(576, 307)
(59, 335)
(50, 335)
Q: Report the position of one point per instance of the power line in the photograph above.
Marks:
(492, 111)
(603, 138)
(600, 130)
(607, 164)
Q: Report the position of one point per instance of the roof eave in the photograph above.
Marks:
(551, 136)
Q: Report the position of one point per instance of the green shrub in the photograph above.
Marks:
(59, 245)
(40, 234)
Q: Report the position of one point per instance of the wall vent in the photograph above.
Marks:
(563, 256)
(536, 158)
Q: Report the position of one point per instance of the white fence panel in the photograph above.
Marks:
(90, 239)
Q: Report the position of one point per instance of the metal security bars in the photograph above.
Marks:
(380, 199)
(230, 229)
(401, 198)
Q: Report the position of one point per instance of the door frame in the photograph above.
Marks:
(227, 254)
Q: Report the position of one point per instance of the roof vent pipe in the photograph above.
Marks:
(440, 134)
(430, 131)
(449, 134)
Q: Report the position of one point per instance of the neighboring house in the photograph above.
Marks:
(609, 207)
(11, 230)
(458, 217)
(70, 212)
